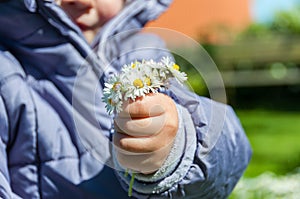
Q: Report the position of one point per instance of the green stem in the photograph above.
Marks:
(131, 184)
(126, 173)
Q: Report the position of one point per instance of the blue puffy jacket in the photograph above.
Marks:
(55, 133)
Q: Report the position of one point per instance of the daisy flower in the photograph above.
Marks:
(112, 94)
(138, 79)
(136, 82)
(113, 102)
(179, 76)
(173, 70)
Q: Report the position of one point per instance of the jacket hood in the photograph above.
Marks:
(33, 15)
(140, 12)
(134, 15)
(151, 10)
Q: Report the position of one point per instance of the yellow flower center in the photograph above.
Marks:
(134, 64)
(110, 101)
(176, 67)
(148, 81)
(138, 83)
(116, 86)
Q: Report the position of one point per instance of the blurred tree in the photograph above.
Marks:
(285, 23)
(262, 50)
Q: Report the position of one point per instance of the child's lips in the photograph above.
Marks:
(86, 20)
(82, 26)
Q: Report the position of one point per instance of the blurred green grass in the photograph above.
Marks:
(275, 140)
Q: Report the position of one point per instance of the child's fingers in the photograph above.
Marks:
(143, 162)
(143, 144)
(140, 127)
(148, 106)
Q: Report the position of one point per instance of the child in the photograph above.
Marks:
(52, 119)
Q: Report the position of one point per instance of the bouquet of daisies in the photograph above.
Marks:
(138, 79)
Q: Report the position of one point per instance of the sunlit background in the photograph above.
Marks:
(256, 47)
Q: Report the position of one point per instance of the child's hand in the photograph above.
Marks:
(145, 131)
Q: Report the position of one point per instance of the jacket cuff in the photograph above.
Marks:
(175, 166)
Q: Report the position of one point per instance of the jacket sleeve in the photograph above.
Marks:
(222, 148)
(214, 150)
(5, 189)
